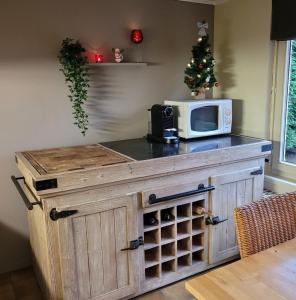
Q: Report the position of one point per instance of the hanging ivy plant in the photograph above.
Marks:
(74, 67)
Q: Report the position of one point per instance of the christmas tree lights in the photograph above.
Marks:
(199, 74)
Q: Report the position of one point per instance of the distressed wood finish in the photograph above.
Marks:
(93, 222)
(39, 246)
(171, 190)
(67, 159)
(232, 190)
(133, 170)
(93, 265)
(80, 257)
(106, 197)
(266, 275)
(148, 185)
(181, 245)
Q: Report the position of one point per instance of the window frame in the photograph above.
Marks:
(279, 108)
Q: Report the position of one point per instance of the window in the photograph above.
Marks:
(283, 111)
(288, 147)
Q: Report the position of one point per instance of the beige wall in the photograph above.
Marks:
(35, 111)
(244, 62)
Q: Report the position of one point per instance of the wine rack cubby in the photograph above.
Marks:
(183, 229)
(168, 252)
(184, 261)
(183, 246)
(183, 212)
(164, 213)
(177, 243)
(152, 272)
(168, 266)
(151, 239)
(168, 234)
(151, 257)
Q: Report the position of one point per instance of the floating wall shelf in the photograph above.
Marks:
(127, 64)
(210, 2)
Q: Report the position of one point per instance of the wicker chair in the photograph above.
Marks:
(266, 223)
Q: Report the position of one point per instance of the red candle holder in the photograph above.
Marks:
(137, 36)
(99, 58)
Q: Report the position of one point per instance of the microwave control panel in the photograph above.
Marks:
(227, 118)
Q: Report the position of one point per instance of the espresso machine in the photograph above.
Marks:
(161, 124)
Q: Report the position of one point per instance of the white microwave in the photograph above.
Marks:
(202, 117)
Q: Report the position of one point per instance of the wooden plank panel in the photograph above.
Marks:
(222, 213)
(108, 249)
(94, 241)
(232, 189)
(258, 183)
(241, 193)
(120, 217)
(249, 191)
(232, 203)
(39, 247)
(80, 240)
(67, 255)
(66, 159)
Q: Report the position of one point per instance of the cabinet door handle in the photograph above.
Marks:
(135, 244)
(55, 215)
(214, 220)
(201, 189)
(257, 172)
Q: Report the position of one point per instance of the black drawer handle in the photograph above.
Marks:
(257, 172)
(201, 189)
(28, 203)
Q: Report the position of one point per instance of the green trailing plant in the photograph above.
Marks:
(74, 67)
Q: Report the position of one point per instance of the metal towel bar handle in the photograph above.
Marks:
(28, 203)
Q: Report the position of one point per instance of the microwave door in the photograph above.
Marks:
(205, 120)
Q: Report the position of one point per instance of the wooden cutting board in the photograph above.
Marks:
(59, 160)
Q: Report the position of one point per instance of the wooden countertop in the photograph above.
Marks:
(67, 159)
(63, 169)
(267, 275)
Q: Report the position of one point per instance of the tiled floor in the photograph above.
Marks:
(22, 285)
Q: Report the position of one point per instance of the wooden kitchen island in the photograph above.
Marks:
(87, 233)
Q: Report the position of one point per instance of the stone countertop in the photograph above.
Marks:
(141, 149)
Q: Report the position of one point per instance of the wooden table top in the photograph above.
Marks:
(270, 274)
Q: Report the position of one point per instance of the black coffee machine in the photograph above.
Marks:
(161, 127)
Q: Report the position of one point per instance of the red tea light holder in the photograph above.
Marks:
(137, 36)
(137, 39)
(99, 58)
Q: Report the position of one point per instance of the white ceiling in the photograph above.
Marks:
(211, 2)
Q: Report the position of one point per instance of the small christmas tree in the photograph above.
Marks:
(199, 75)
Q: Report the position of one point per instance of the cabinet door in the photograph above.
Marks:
(232, 190)
(92, 263)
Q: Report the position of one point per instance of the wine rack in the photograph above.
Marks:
(176, 244)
